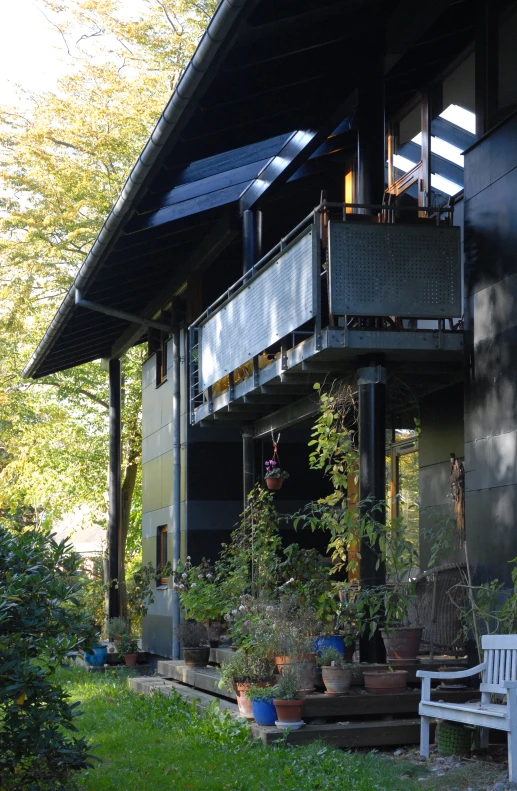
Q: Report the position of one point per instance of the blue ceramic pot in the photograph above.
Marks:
(332, 641)
(99, 656)
(263, 711)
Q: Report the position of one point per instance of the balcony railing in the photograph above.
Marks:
(338, 270)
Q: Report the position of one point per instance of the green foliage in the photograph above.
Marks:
(260, 693)
(116, 627)
(41, 626)
(331, 655)
(192, 634)
(289, 684)
(245, 668)
(201, 591)
(127, 644)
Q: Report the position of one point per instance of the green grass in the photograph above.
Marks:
(147, 743)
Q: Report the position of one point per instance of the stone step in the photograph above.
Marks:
(146, 685)
(206, 679)
(375, 733)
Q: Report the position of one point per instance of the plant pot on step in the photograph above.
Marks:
(243, 702)
(402, 643)
(196, 657)
(306, 664)
(289, 712)
(385, 682)
(130, 659)
(264, 712)
(337, 680)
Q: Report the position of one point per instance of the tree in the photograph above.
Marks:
(41, 625)
(64, 156)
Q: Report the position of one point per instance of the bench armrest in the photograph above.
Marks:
(509, 684)
(471, 671)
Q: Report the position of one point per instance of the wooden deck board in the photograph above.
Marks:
(375, 733)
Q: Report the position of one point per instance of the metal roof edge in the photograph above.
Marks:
(225, 16)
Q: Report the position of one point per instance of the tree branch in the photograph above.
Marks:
(82, 391)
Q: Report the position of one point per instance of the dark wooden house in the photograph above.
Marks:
(330, 192)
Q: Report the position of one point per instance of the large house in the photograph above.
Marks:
(330, 192)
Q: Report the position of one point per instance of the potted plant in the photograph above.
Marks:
(336, 672)
(275, 475)
(201, 596)
(241, 671)
(128, 648)
(262, 706)
(384, 681)
(114, 628)
(194, 641)
(294, 627)
(289, 700)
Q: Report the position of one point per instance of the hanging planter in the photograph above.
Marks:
(275, 475)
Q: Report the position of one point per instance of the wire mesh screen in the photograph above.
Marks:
(277, 301)
(394, 270)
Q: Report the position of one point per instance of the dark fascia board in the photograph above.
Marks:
(227, 19)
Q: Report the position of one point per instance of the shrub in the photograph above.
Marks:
(41, 626)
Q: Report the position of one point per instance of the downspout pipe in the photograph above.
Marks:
(176, 484)
(228, 15)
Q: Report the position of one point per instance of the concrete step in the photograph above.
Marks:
(375, 733)
(206, 679)
(146, 685)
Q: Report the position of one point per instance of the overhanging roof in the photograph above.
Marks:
(264, 72)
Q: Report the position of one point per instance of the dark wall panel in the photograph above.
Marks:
(491, 347)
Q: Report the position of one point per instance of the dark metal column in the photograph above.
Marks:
(248, 464)
(251, 238)
(115, 501)
(371, 156)
(371, 380)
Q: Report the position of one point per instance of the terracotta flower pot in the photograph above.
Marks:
(130, 659)
(337, 680)
(243, 702)
(274, 484)
(306, 665)
(385, 682)
(196, 657)
(289, 710)
(402, 643)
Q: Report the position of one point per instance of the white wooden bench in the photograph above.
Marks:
(499, 677)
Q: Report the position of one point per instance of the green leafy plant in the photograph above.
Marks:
(289, 685)
(192, 634)
(41, 627)
(273, 470)
(127, 644)
(260, 693)
(116, 627)
(331, 656)
(201, 592)
(243, 668)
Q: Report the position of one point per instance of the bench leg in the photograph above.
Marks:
(424, 736)
(483, 738)
(512, 755)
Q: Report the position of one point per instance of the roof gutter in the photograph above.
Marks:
(227, 14)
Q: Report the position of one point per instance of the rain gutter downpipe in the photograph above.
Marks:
(226, 16)
(176, 485)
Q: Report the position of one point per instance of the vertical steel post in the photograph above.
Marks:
(114, 485)
(251, 238)
(371, 380)
(176, 482)
(371, 156)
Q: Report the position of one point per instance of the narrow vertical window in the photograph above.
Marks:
(161, 554)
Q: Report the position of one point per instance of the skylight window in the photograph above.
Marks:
(460, 117)
(444, 185)
(442, 148)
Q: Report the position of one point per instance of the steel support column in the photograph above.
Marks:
(251, 238)
(371, 380)
(371, 156)
(115, 500)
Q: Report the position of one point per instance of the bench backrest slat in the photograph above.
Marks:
(500, 655)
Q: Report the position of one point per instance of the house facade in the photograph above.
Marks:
(327, 195)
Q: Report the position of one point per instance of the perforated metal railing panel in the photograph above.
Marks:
(277, 301)
(394, 270)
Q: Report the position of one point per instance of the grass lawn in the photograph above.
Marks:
(155, 743)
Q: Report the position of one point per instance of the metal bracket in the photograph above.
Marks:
(120, 314)
(371, 375)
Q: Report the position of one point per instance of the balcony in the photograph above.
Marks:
(339, 286)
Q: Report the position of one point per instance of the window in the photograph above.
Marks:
(158, 346)
(161, 553)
